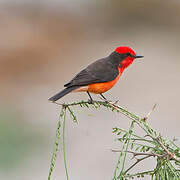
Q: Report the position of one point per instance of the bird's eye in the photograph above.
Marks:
(128, 54)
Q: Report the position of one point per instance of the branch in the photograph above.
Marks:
(157, 149)
(148, 115)
(107, 104)
(137, 161)
(170, 155)
(147, 154)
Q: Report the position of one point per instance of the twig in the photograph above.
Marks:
(106, 104)
(137, 161)
(148, 115)
(142, 154)
(64, 145)
(169, 154)
(139, 174)
(160, 150)
(56, 145)
(147, 154)
(124, 112)
(127, 145)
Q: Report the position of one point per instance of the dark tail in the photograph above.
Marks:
(62, 93)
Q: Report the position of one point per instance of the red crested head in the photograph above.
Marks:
(124, 50)
(130, 55)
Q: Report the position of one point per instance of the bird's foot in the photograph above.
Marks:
(90, 101)
(105, 100)
(110, 102)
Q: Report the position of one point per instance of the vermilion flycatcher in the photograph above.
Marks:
(101, 75)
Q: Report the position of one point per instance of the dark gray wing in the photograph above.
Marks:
(101, 70)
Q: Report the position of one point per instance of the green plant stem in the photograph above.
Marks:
(118, 162)
(56, 144)
(163, 149)
(137, 174)
(138, 144)
(64, 144)
(138, 160)
(127, 145)
(72, 115)
(138, 139)
(136, 136)
(173, 170)
(105, 104)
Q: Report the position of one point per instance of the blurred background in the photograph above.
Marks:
(43, 44)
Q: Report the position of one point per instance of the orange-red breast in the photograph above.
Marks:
(101, 75)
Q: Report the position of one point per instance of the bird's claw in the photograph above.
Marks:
(90, 101)
(106, 101)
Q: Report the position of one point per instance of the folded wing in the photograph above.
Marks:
(101, 70)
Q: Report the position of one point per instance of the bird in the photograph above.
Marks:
(101, 75)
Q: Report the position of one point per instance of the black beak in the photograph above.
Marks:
(138, 56)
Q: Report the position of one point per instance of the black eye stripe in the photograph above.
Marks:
(129, 54)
